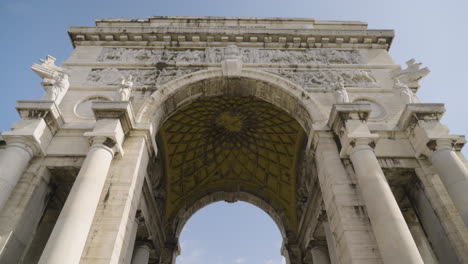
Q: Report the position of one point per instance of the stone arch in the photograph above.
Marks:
(187, 212)
(270, 88)
(267, 86)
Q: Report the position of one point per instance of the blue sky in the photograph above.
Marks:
(432, 32)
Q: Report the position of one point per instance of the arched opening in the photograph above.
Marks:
(237, 233)
(229, 139)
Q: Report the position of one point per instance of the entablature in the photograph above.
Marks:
(203, 32)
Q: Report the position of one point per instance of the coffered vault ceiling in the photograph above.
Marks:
(231, 144)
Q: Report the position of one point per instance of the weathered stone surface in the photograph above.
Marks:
(204, 109)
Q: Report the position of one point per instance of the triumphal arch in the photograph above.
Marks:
(149, 120)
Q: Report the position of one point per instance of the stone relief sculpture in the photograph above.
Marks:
(130, 55)
(166, 75)
(405, 92)
(311, 56)
(231, 52)
(213, 55)
(311, 79)
(411, 75)
(139, 78)
(216, 54)
(125, 88)
(340, 93)
(189, 56)
(305, 183)
(54, 79)
(113, 76)
(251, 56)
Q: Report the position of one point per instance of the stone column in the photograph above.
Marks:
(170, 252)
(121, 199)
(141, 254)
(419, 236)
(22, 214)
(13, 161)
(349, 234)
(71, 230)
(331, 243)
(396, 245)
(29, 137)
(391, 232)
(453, 174)
(431, 139)
(320, 255)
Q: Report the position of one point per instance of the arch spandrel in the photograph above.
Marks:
(231, 144)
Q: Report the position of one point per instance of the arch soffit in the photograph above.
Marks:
(152, 109)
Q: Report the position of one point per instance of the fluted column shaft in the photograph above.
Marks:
(69, 236)
(13, 161)
(393, 237)
(453, 174)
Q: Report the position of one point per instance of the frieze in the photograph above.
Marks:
(328, 78)
(216, 55)
(140, 77)
(113, 76)
(166, 75)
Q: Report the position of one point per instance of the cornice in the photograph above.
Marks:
(199, 32)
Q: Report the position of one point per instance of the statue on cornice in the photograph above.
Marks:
(54, 79)
(405, 92)
(126, 86)
(411, 75)
(340, 93)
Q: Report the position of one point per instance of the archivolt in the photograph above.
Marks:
(267, 86)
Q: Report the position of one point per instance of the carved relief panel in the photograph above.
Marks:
(216, 54)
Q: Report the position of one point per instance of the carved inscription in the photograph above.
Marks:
(216, 55)
(327, 78)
